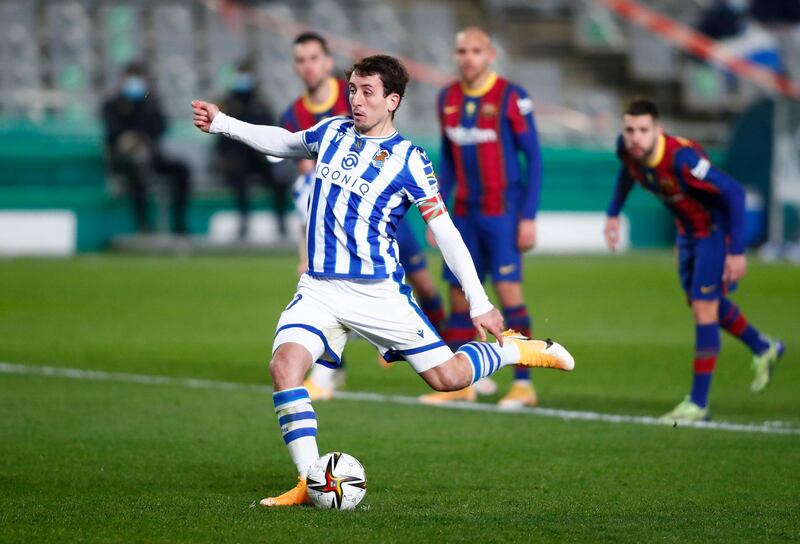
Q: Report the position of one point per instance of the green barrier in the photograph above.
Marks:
(50, 154)
(55, 165)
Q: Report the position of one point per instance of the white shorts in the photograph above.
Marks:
(383, 312)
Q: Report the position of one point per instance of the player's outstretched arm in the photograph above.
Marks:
(270, 140)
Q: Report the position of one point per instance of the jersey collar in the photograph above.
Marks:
(361, 136)
(333, 95)
(483, 89)
(658, 154)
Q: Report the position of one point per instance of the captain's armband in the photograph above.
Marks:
(431, 208)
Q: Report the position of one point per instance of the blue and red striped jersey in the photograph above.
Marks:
(483, 133)
(700, 196)
(302, 114)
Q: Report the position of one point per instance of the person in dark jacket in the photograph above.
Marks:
(240, 164)
(134, 126)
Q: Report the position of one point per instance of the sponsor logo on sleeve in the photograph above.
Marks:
(525, 105)
(701, 168)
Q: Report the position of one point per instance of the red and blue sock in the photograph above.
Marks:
(705, 359)
(434, 311)
(732, 320)
(517, 318)
(459, 330)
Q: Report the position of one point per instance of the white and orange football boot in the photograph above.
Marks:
(468, 394)
(521, 394)
(296, 496)
(318, 392)
(540, 353)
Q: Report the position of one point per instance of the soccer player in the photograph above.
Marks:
(325, 97)
(709, 212)
(366, 178)
(487, 122)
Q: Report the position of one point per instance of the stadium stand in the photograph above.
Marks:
(580, 59)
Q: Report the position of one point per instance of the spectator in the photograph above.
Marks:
(134, 126)
(241, 164)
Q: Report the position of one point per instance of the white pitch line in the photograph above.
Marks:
(775, 427)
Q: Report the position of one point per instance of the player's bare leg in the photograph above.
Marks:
(476, 360)
(454, 337)
(289, 364)
(522, 393)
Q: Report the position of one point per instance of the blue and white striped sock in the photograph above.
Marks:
(488, 358)
(298, 426)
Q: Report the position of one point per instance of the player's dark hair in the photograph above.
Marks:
(393, 74)
(642, 106)
(307, 37)
(135, 68)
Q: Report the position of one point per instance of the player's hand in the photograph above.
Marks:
(611, 232)
(430, 238)
(526, 234)
(203, 114)
(302, 267)
(491, 321)
(735, 268)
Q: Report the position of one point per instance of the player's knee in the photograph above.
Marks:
(705, 311)
(281, 369)
(509, 293)
(277, 369)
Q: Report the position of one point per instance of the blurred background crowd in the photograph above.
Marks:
(97, 149)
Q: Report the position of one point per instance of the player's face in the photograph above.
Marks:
(640, 133)
(371, 110)
(312, 64)
(474, 54)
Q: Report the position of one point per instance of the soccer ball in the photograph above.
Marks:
(336, 480)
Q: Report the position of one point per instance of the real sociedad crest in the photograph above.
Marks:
(379, 158)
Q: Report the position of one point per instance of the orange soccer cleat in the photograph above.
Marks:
(296, 496)
(540, 353)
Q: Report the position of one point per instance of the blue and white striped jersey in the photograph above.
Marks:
(362, 188)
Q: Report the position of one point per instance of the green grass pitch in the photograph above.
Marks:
(84, 460)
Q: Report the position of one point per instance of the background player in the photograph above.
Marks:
(486, 122)
(367, 177)
(326, 96)
(709, 212)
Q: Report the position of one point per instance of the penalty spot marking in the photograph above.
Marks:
(776, 427)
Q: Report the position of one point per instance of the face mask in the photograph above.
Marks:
(243, 82)
(134, 88)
